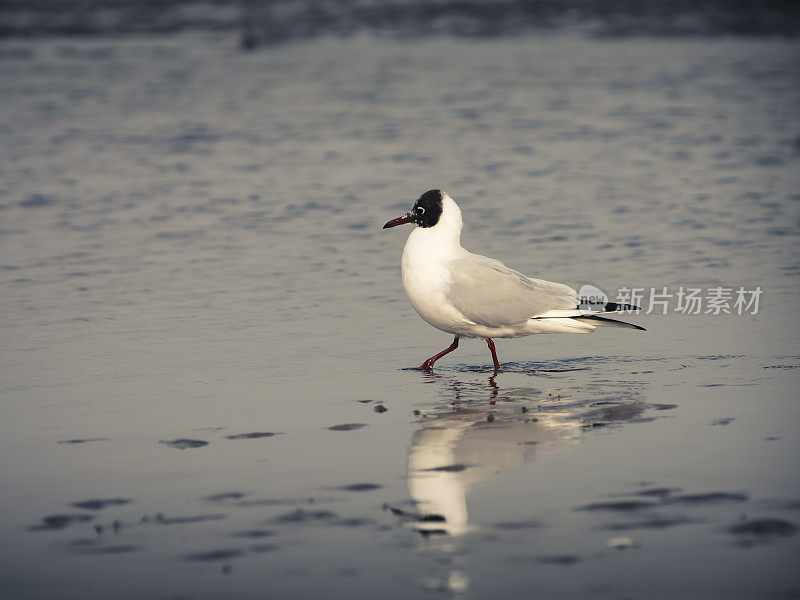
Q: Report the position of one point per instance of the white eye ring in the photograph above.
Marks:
(421, 210)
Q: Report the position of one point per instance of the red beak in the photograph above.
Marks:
(406, 218)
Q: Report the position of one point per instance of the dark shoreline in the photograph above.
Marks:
(266, 23)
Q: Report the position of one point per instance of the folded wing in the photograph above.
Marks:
(489, 293)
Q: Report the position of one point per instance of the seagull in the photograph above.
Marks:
(474, 296)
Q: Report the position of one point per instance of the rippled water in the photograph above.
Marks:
(191, 260)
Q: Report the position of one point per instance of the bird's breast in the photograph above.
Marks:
(426, 280)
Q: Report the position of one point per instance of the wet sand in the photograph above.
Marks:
(207, 356)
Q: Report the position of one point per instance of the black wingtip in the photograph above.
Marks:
(606, 322)
(616, 307)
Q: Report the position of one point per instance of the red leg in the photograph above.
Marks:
(490, 343)
(426, 366)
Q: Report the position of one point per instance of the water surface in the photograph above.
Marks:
(208, 386)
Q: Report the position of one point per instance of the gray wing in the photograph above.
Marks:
(489, 293)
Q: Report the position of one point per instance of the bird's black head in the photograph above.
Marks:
(426, 212)
(428, 208)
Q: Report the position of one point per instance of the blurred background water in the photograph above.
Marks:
(206, 349)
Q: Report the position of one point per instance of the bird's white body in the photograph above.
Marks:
(433, 258)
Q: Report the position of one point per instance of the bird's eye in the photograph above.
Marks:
(421, 210)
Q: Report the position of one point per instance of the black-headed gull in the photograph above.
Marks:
(469, 295)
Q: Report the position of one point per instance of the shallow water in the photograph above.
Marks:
(191, 259)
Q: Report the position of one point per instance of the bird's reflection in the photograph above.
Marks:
(465, 443)
(483, 430)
